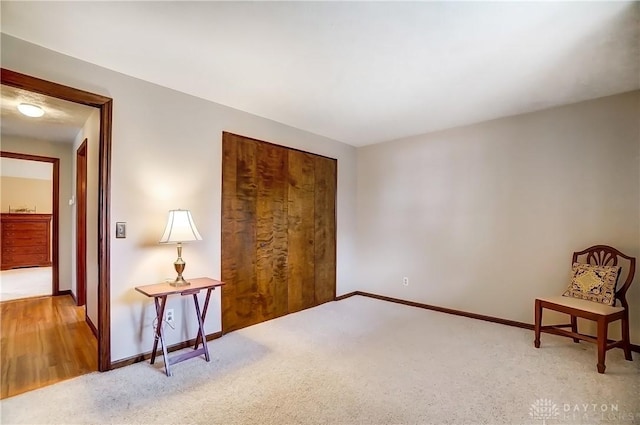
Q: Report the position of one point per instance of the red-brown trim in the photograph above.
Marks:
(66, 292)
(345, 296)
(529, 326)
(105, 105)
(55, 195)
(335, 230)
(81, 224)
(449, 311)
(146, 356)
(175, 347)
(104, 251)
(75, 301)
(91, 325)
(38, 85)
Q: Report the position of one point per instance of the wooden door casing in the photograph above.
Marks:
(278, 231)
(81, 224)
(105, 106)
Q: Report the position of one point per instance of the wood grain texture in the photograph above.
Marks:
(229, 226)
(37, 85)
(301, 231)
(104, 220)
(44, 340)
(246, 191)
(271, 232)
(105, 105)
(26, 240)
(325, 229)
(196, 285)
(242, 301)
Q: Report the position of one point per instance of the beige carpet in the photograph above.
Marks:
(356, 361)
(24, 283)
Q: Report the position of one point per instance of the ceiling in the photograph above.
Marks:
(357, 72)
(61, 122)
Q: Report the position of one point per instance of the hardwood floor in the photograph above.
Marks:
(44, 340)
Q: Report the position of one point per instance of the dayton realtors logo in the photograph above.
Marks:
(544, 409)
(601, 412)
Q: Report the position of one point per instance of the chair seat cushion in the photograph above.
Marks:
(590, 306)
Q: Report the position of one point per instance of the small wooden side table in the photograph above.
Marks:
(160, 292)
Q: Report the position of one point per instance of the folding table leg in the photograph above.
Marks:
(201, 325)
(204, 316)
(160, 303)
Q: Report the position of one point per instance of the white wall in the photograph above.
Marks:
(484, 218)
(63, 152)
(167, 154)
(91, 132)
(27, 195)
(481, 218)
(11, 167)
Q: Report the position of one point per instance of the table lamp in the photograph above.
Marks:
(180, 228)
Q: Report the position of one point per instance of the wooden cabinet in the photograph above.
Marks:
(26, 240)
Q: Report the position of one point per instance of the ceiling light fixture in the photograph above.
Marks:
(30, 110)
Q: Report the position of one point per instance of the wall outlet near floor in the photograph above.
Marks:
(405, 281)
(169, 317)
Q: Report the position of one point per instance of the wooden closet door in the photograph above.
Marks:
(301, 231)
(278, 231)
(271, 231)
(326, 183)
(239, 204)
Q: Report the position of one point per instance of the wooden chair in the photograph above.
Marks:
(600, 313)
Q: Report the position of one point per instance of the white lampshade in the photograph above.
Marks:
(180, 228)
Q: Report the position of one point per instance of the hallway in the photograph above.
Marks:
(25, 282)
(43, 341)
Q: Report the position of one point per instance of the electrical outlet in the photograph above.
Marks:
(168, 316)
(405, 281)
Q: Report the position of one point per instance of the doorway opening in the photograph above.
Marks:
(104, 106)
(29, 226)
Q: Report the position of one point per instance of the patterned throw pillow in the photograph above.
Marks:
(593, 283)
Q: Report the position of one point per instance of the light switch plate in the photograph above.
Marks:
(121, 230)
